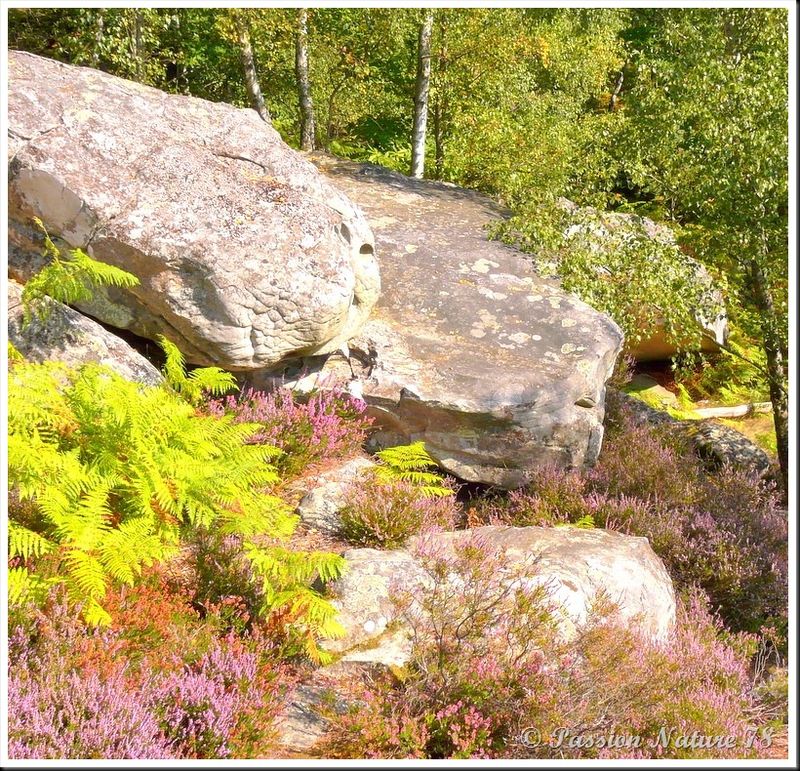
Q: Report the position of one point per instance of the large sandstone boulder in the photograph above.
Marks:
(495, 369)
(245, 253)
(576, 566)
(63, 334)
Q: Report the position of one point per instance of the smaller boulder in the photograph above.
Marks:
(720, 445)
(65, 335)
(575, 566)
(715, 443)
(320, 506)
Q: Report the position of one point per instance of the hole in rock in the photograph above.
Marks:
(366, 249)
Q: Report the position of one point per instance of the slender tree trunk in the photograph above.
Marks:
(776, 366)
(99, 31)
(612, 102)
(307, 125)
(421, 92)
(249, 66)
(137, 42)
(438, 137)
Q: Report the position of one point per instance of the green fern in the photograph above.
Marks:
(108, 476)
(585, 522)
(69, 279)
(194, 385)
(410, 463)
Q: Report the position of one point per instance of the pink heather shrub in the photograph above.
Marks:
(77, 693)
(646, 462)
(205, 706)
(383, 514)
(62, 714)
(330, 424)
(480, 675)
(721, 531)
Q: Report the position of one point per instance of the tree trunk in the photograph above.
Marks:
(438, 138)
(612, 102)
(421, 92)
(307, 126)
(776, 366)
(137, 42)
(249, 66)
(99, 29)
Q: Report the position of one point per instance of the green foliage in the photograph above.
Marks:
(68, 279)
(197, 383)
(584, 522)
(410, 463)
(109, 476)
(644, 281)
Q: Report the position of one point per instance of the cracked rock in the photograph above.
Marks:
(245, 253)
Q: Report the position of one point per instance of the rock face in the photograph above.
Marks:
(573, 564)
(246, 255)
(68, 336)
(321, 505)
(495, 369)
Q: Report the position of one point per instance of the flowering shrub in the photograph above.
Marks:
(69, 714)
(721, 531)
(646, 462)
(487, 665)
(553, 496)
(224, 697)
(128, 693)
(383, 514)
(330, 424)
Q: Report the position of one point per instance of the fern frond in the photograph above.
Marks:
(86, 573)
(410, 463)
(192, 387)
(24, 586)
(25, 543)
(69, 279)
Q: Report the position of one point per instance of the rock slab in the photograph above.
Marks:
(245, 253)
(573, 564)
(320, 506)
(65, 335)
(497, 370)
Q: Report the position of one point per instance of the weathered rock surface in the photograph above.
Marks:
(722, 445)
(321, 505)
(245, 253)
(68, 336)
(495, 369)
(715, 443)
(573, 564)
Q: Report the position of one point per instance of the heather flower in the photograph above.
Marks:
(330, 424)
(58, 713)
(384, 514)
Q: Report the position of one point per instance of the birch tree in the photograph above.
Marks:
(307, 122)
(421, 95)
